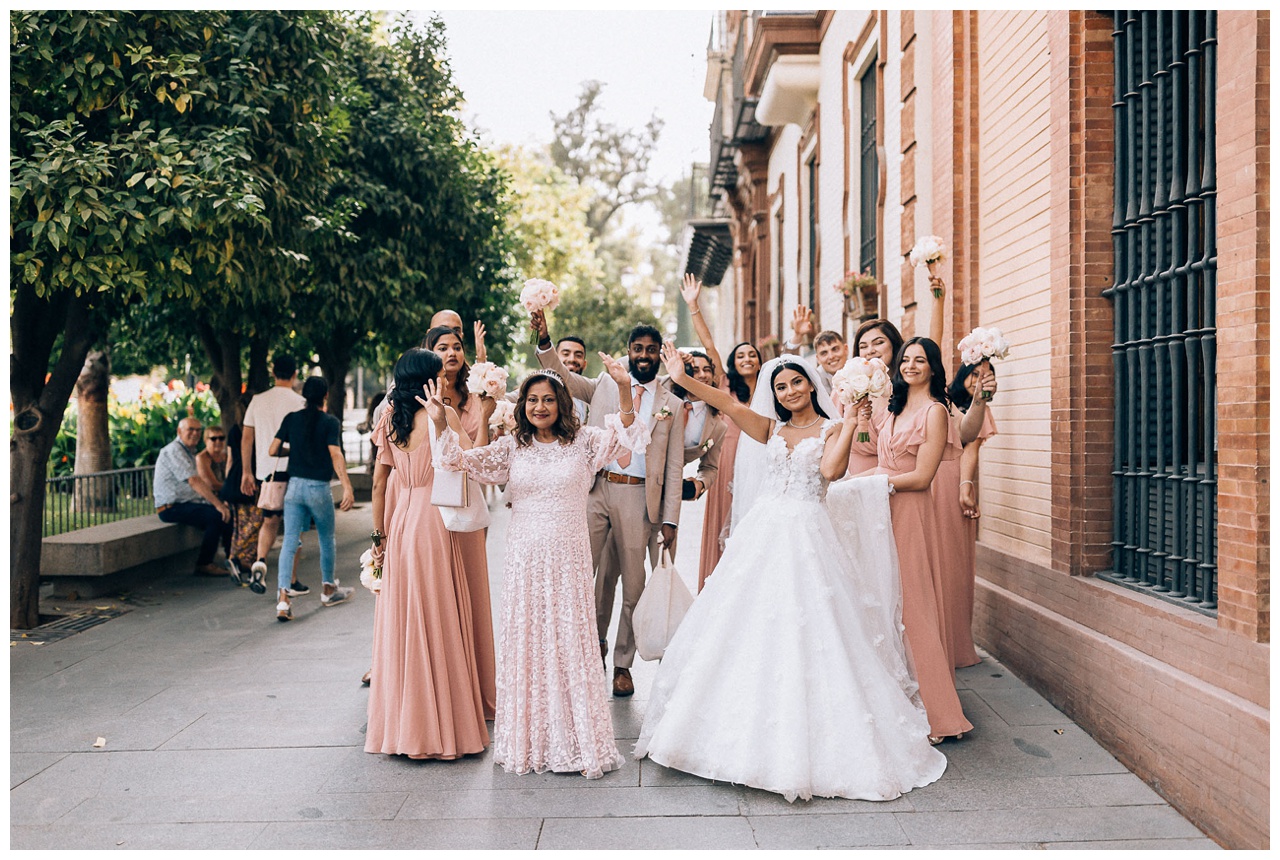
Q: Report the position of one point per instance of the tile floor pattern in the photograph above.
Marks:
(226, 729)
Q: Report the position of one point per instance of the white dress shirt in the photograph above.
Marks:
(694, 422)
(643, 408)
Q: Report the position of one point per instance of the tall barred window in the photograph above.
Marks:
(1164, 238)
(868, 173)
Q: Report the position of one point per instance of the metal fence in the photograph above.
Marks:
(79, 501)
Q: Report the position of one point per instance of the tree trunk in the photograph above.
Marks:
(223, 350)
(259, 373)
(93, 438)
(39, 398)
(336, 366)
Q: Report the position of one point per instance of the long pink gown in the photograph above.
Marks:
(424, 691)
(553, 704)
(916, 536)
(960, 536)
(475, 564)
(715, 517)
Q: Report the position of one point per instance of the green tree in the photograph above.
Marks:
(612, 163)
(135, 176)
(431, 204)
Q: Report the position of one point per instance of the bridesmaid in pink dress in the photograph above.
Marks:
(553, 703)
(444, 342)
(874, 339)
(424, 694)
(911, 442)
(739, 379)
(956, 502)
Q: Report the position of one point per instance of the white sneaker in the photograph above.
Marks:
(258, 577)
(339, 595)
(284, 611)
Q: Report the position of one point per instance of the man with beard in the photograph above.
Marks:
(573, 355)
(633, 497)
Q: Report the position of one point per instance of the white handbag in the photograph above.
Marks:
(458, 497)
(659, 610)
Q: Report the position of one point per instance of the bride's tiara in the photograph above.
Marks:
(550, 374)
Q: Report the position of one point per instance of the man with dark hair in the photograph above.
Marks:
(261, 422)
(573, 355)
(636, 496)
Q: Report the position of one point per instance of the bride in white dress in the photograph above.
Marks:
(788, 672)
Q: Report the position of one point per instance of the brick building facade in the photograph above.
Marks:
(1045, 148)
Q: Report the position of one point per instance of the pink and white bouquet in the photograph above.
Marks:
(504, 415)
(929, 251)
(539, 295)
(370, 575)
(983, 344)
(860, 377)
(487, 378)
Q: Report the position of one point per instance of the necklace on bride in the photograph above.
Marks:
(796, 426)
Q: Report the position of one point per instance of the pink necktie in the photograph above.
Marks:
(624, 459)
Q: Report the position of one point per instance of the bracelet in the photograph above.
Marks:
(693, 311)
(962, 483)
(376, 536)
(892, 488)
(631, 411)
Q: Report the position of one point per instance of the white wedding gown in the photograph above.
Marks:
(788, 672)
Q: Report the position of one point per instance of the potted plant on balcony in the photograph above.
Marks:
(859, 290)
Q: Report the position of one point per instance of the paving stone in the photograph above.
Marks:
(270, 729)
(24, 765)
(290, 806)
(1023, 707)
(1027, 751)
(135, 837)
(581, 802)
(77, 732)
(871, 829)
(265, 694)
(654, 774)
(1045, 825)
(508, 833)
(1121, 789)
(756, 802)
(1204, 843)
(649, 833)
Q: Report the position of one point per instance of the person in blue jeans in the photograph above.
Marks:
(314, 441)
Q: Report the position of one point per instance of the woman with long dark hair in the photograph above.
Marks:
(873, 339)
(473, 413)
(788, 672)
(315, 456)
(740, 374)
(424, 694)
(911, 445)
(553, 703)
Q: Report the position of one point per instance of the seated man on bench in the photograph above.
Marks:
(183, 496)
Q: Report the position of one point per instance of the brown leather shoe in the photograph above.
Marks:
(622, 686)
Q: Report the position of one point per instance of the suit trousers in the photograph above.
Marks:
(620, 531)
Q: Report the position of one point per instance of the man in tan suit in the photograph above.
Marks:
(634, 497)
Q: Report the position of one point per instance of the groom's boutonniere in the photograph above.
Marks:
(706, 446)
(662, 414)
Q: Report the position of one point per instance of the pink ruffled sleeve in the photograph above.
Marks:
(988, 426)
(379, 438)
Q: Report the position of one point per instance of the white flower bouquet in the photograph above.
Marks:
(539, 295)
(488, 379)
(860, 377)
(370, 575)
(929, 251)
(504, 415)
(983, 344)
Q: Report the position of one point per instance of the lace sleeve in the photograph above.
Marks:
(604, 444)
(488, 465)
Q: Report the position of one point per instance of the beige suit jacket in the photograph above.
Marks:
(664, 458)
(708, 458)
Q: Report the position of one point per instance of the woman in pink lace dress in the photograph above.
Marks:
(553, 706)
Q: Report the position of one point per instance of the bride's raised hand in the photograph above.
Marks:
(673, 360)
(690, 290)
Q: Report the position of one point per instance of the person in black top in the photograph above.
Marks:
(315, 456)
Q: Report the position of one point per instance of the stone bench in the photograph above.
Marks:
(116, 556)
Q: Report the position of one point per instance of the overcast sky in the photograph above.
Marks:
(515, 68)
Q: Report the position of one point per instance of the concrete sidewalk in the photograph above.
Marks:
(226, 729)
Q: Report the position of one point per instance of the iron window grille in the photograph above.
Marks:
(1164, 239)
(868, 173)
